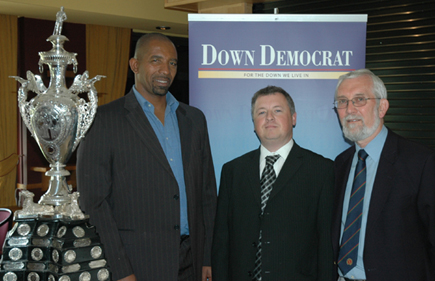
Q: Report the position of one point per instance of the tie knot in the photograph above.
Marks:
(362, 155)
(271, 159)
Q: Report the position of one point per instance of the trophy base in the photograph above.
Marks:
(47, 199)
(54, 250)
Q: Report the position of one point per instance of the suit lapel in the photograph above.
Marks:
(185, 128)
(252, 171)
(140, 124)
(291, 166)
(342, 170)
(384, 179)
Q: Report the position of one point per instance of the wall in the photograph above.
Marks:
(400, 49)
(142, 15)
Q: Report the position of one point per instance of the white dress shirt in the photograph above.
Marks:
(283, 152)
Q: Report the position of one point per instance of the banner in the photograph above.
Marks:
(233, 56)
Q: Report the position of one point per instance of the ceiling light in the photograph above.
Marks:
(163, 28)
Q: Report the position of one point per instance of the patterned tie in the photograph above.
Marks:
(267, 179)
(349, 243)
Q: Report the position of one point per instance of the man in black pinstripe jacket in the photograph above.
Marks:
(146, 176)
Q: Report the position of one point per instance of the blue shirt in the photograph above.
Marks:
(169, 138)
(373, 149)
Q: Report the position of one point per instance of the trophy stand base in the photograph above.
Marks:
(58, 189)
(54, 200)
(54, 250)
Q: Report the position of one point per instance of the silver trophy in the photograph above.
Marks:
(53, 239)
(57, 118)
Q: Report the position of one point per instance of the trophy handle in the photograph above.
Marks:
(86, 110)
(24, 106)
(25, 109)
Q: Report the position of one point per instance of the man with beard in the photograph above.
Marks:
(384, 210)
(146, 176)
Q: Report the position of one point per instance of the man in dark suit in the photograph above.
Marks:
(395, 234)
(280, 234)
(146, 177)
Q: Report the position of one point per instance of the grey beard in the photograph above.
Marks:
(362, 134)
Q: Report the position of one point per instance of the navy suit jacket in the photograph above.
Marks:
(400, 235)
(127, 187)
(295, 225)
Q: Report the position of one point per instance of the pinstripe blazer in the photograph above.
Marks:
(127, 187)
(295, 224)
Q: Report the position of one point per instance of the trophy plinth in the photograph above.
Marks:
(52, 239)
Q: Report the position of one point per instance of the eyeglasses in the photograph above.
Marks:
(357, 102)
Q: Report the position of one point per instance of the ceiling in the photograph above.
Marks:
(140, 15)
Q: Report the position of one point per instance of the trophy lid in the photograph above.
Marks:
(58, 56)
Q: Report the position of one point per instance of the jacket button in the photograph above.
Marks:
(176, 196)
(250, 273)
(254, 244)
(176, 227)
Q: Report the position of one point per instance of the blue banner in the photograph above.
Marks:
(233, 56)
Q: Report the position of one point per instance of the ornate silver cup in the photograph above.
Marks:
(57, 118)
(53, 239)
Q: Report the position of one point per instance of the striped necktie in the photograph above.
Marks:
(348, 254)
(268, 178)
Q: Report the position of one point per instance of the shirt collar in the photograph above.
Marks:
(374, 148)
(146, 105)
(283, 151)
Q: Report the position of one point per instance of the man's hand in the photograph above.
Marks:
(132, 278)
(206, 273)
